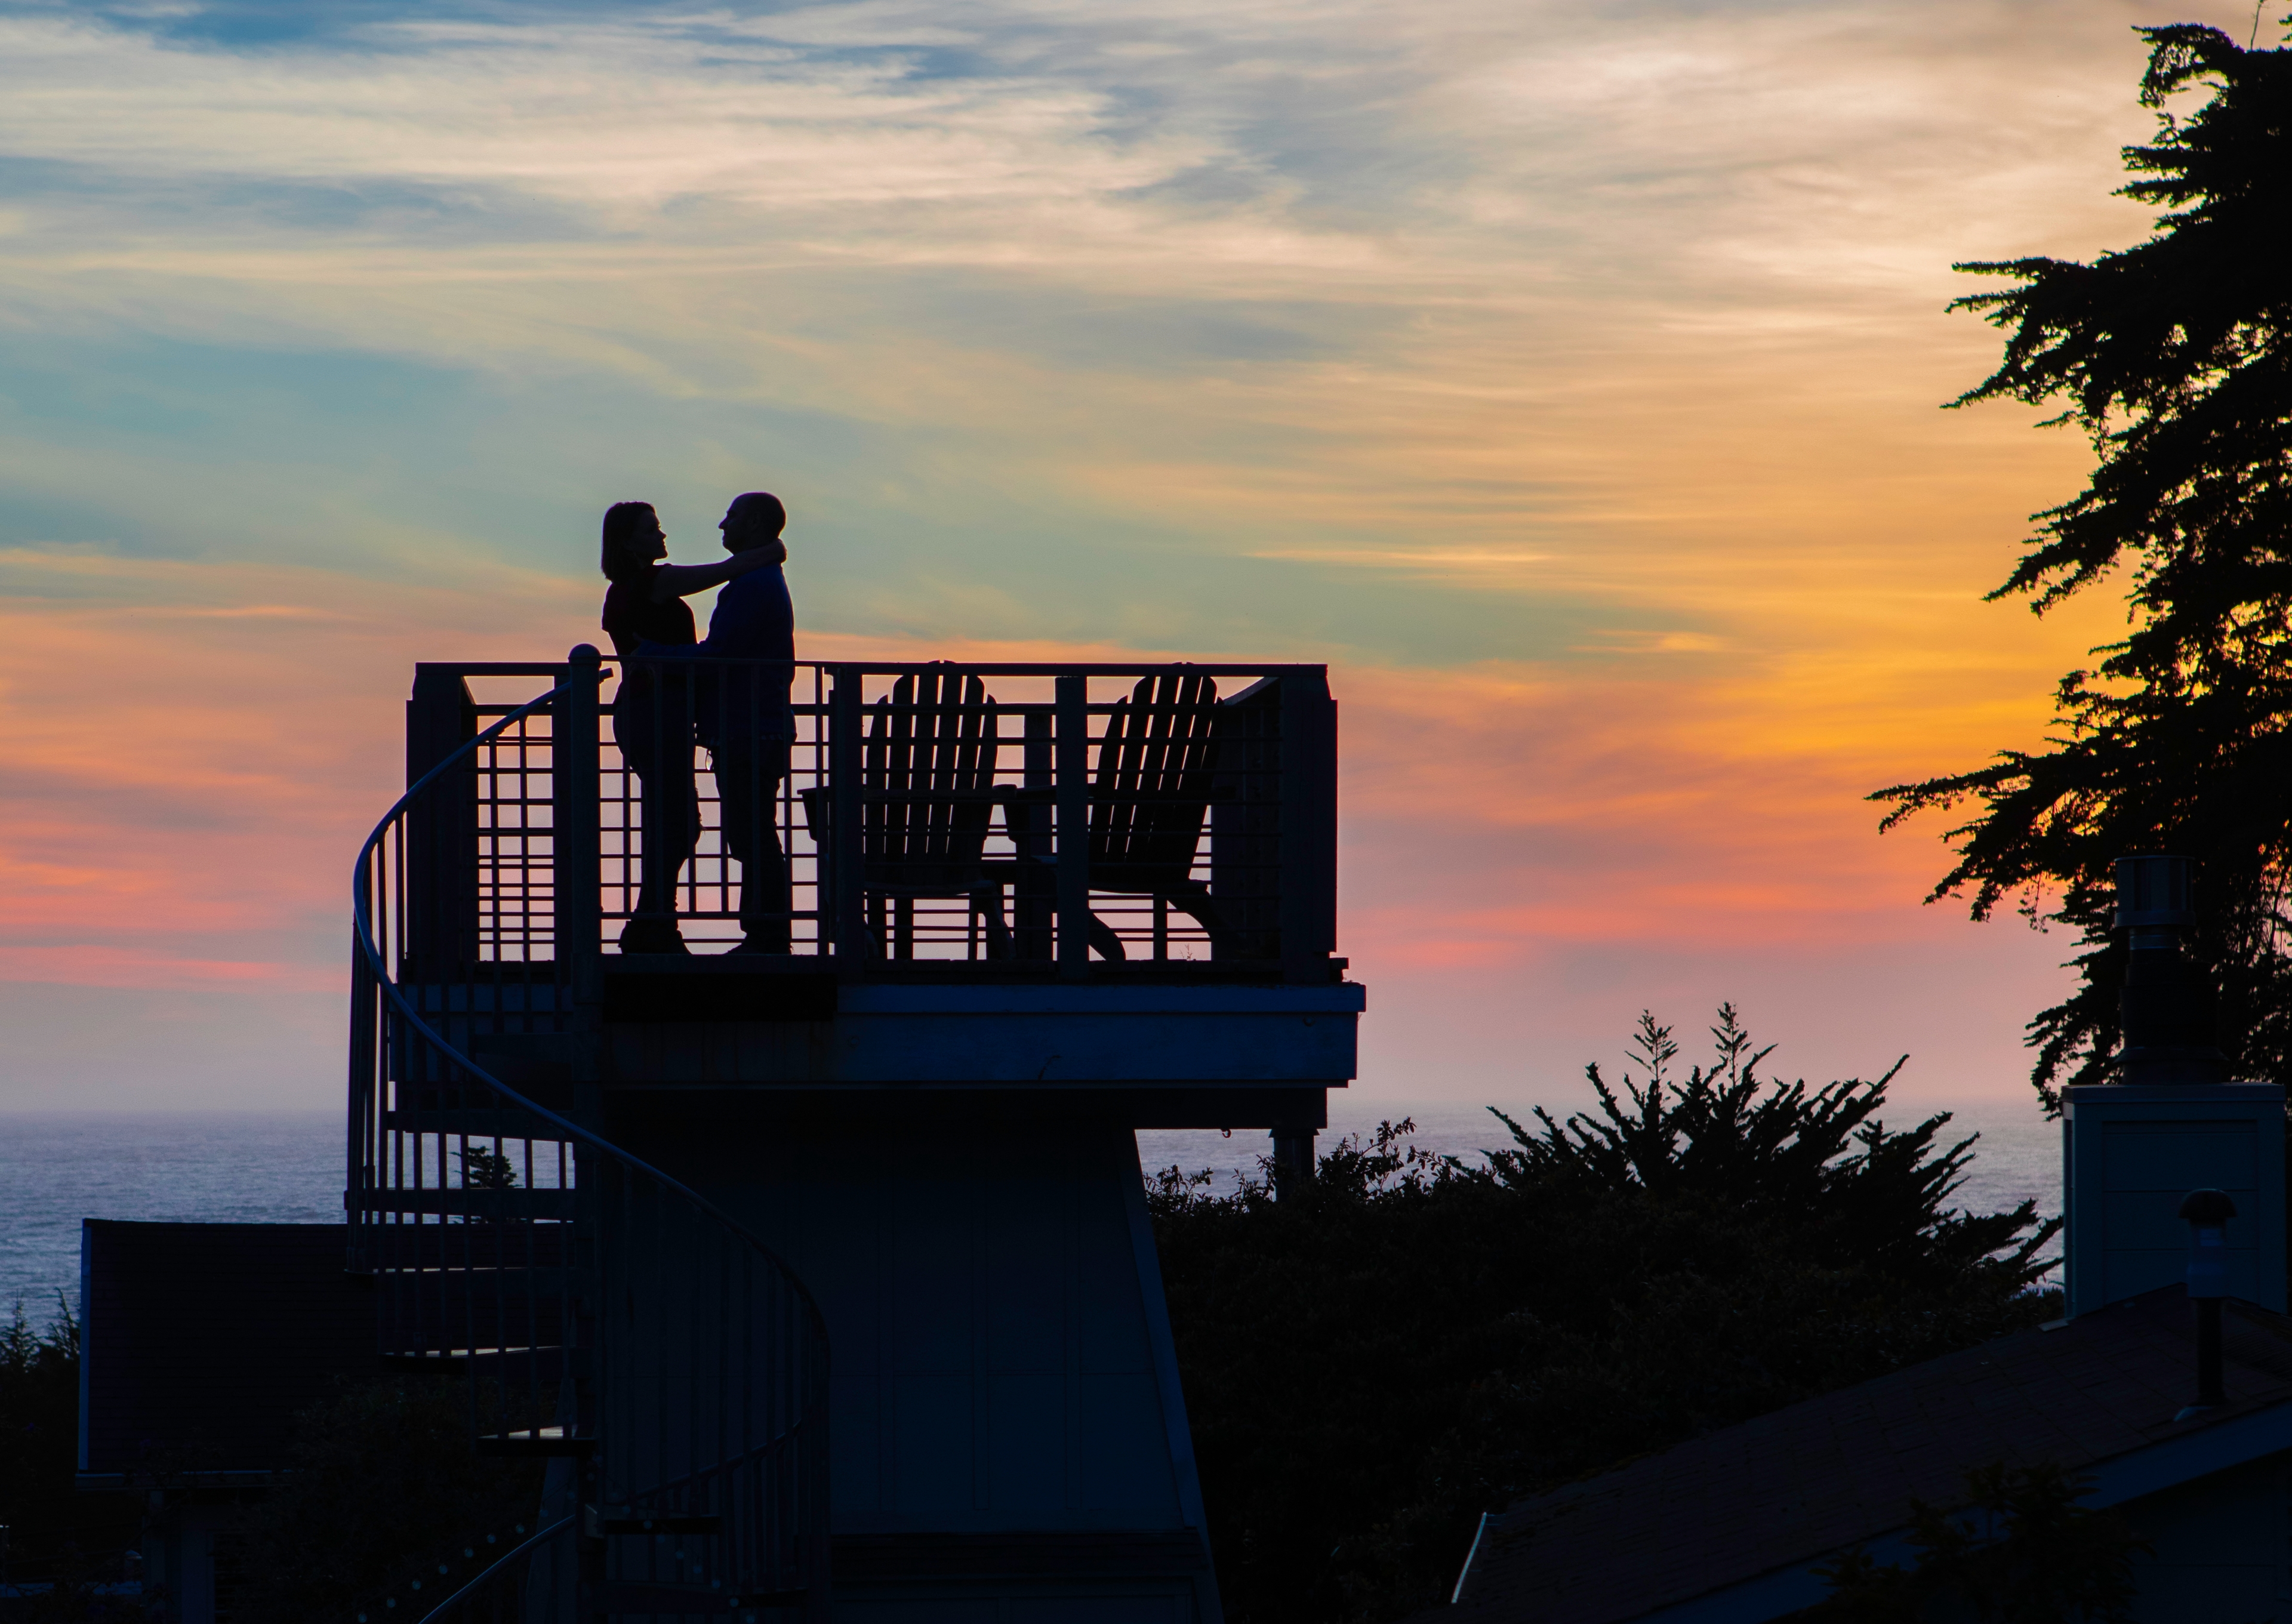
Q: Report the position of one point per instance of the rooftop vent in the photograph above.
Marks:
(2207, 1212)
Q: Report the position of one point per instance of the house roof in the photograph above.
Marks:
(1775, 1494)
(202, 1341)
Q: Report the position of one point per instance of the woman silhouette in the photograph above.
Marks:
(652, 714)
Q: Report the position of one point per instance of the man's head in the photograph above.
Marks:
(754, 520)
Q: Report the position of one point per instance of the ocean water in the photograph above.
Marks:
(217, 1168)
(209, 1168)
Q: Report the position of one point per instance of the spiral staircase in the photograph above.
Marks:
(605, 1319)
(579, 1172)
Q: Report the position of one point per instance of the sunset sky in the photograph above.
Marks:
(1565, 375)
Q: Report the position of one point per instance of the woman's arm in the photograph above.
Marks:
(682, 580)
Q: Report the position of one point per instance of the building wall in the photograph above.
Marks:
(2223, 1549)
(1008, 1434)
(2131, 1154)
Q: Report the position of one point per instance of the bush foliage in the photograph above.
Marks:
(55, 1536)
(1372, 1361)
(384, 1489)
(2020, 1551)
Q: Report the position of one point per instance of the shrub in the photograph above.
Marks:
(384, 1489)
(2021, 1549)
(55, 1534)
(1408, 1341)
(1824, 1160)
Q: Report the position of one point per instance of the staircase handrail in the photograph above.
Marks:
(361, 928)
(493, 1570)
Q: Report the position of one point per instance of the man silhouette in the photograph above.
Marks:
(744, 718)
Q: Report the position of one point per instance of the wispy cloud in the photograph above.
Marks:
(1427, 559)
(1564, 372)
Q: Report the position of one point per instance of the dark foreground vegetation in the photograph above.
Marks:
(385, 1495)
(384, 1491)
(1372, 1363)
(56, 1538)
(2020, 1548)
(1369, 1362)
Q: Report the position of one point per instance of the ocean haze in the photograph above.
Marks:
(287, 1168)
(2017, 1157)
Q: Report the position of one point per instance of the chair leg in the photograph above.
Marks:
(1101, 936)
(987, 905)
(1196, 900)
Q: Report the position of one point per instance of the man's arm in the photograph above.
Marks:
(682, 580)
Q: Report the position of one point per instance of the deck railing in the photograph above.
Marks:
(1014, 820)
(605, 1317)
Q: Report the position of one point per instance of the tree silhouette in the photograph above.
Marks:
(2020, 1550)
(2175, 358)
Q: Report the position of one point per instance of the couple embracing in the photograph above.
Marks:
(729, 691)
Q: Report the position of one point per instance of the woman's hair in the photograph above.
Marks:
(618, 557)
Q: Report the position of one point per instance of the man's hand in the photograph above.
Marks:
(774, 552)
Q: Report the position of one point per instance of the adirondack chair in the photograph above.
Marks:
(1157, 762)
(927, 799)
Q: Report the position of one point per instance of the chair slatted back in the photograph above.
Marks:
(1155, 766)
(928, 759)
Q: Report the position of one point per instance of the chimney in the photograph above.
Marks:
(2164, 1009)
(2131, 1149)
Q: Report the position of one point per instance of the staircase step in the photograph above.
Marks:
(536, 1441)
(604, 1525)
(526, 1060)
(631, 1595)
(416, 1327)
(553, 1204)
(546, 1363)
(402, 1249)
(488, 1122)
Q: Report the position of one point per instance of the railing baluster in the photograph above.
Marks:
(688, 1429)
(576, 867)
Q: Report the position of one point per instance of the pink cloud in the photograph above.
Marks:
(1530, 852)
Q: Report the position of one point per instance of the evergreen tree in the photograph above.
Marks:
(2174, 357)
(49, 1534)
(2023, 1550)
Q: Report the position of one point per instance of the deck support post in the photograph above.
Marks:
(441, 837)
(573, 837)
(1073, 797)
(1036, 902)
(848, 839)
(1293, 1161)
(1308, 827)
